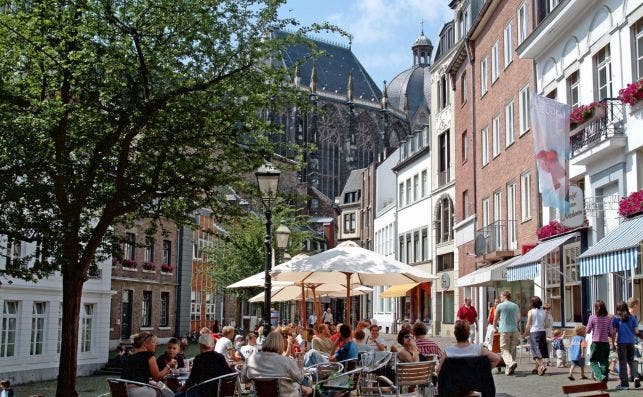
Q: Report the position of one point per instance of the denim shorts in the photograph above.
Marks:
(580, 362)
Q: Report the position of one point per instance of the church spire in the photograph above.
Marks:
(384, 97)
(422, 49)
(349, 89)
(313, 79)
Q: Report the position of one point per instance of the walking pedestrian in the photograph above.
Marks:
(488, 340)
(506, 321)
(327, 316)
(535, 331)
(577, 352)
(469, 313)
(600, 326)
(625, 327)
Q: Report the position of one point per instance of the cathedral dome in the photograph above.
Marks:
(411, 90)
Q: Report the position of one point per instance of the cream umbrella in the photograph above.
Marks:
(293, 292)
(348, 264)
(258, 280)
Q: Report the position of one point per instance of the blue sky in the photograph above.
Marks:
(383, 30)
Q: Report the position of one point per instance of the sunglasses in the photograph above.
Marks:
(409, 337)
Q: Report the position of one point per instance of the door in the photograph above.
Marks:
(438, 313)
(126, 314)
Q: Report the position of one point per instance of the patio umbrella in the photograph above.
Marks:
(352, 263)
(258, 280)
(293, 292)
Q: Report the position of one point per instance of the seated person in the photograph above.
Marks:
(375, 340)
(348, 349)
(250, 347)
(224, 343)
(408, 353)
(271, 363)
(171, 353)
(425, 346)
(360, 342)
(321, 341)
(141, 365)
(207, 365)
(464, 348)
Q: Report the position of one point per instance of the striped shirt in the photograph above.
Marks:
(427, 346)
(600, 327)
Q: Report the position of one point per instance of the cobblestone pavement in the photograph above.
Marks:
(524, 384)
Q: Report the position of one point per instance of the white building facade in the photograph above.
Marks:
(598, 50)
(31, 326)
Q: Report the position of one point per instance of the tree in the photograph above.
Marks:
(114, 109)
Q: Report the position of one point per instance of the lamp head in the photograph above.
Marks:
(282, 235)
(268, 180)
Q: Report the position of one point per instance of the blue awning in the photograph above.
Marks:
(526, 267)
(617, 251)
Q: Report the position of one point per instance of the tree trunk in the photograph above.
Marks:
(72, 292)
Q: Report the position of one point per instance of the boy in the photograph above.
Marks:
(5, 388)
(559, 348)
(171, 352)
(577, 352)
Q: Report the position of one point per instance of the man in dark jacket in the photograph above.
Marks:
(207, 365)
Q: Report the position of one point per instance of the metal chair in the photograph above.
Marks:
(407, 375)
(268, 387)
(118, 387)
(321, 371)
(226, 386)
(340, 385)
(373, 365)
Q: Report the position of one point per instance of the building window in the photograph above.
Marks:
(37, 327)
(425, 183)
(9, 322)
(407, 245)
(638, 48)
(495, 136)
(165, 309)
(408, 191)
(522, 23)
(146, 309)
(349, 223)
(463, 87)
(495, 59)
(445, 262)
(416, 187)
(195, 305)
(167, 252)
(149, 249)
(524, 110)
(209, 306)
(602, 62)
(573, 83)
(485, 212)
(465, 147)
(130, 246)
(552, 94)
(525, 196)
(448, 307)
(511, 216)
(509, 48)
(401, 194)
(465, 204)
(509, 124)
(425, 244)
(86, 328)
(484, 76)
(417, 253)
(484, 146)
(444, 158)
(400, 254)
(60, 327)
(444, 221)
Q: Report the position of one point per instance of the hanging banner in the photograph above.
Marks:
(550, 126)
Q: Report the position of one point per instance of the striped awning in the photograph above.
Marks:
(398, 290)
(526, 267)
(617, 251)
(486, 275)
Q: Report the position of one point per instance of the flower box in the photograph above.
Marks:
(129, 264)
(149, 266)
(554, 228)
(167, 268)
(584, 114)
(631, 205)
(632, 93)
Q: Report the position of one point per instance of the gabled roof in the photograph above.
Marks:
(444, 47)
(353, 183)
(332, 69)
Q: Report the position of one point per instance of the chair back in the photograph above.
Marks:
(267, 387)
(414, 374)
(224, 385)
(118, 387)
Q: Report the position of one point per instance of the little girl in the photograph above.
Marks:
(559, 348)
(577, 352)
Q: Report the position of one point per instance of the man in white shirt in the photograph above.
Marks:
(225, 341)
(327, 317)
(250, 347)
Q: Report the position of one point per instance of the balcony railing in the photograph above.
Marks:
(598, 129)
(596, 206)
(496, 237)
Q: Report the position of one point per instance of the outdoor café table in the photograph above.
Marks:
(175, 379)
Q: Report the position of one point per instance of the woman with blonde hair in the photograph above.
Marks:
(141, 365)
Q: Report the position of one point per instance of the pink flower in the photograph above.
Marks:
(149, 266)
(552, 229)
(167, 268)
(631, 204)
(632, 93)
(129, 263)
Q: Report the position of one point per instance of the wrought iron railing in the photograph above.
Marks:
(598, 129)
(497, 236)
(598, 204)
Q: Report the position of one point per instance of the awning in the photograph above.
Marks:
(398, 290)
(495, 272)
(526, 267)
(615, 252)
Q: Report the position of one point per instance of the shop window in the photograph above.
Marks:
(447, 307)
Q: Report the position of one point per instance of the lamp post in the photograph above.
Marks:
(268, 180)
(282, 235)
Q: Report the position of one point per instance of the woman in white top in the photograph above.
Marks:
(464, 348)
(535, 330)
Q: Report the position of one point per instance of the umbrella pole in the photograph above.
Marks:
(312, 288)
(303, 305)
(348, 299)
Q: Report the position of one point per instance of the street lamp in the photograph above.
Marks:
(268, 180)
(282, 234)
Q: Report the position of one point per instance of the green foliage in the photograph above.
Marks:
(241, 253)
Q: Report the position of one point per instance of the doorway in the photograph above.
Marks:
(126, 314)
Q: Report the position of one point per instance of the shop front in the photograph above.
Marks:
(413, 301)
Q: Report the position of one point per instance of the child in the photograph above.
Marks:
(625, 328)
(5, 388)
(171, 352)
(559, 348)
(577, 352)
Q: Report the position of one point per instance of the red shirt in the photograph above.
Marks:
(468, 313)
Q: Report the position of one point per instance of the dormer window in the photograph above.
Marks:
(351, 197)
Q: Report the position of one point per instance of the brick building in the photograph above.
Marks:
(495, 165)
(144, 282)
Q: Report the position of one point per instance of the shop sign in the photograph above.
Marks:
(576, 216)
